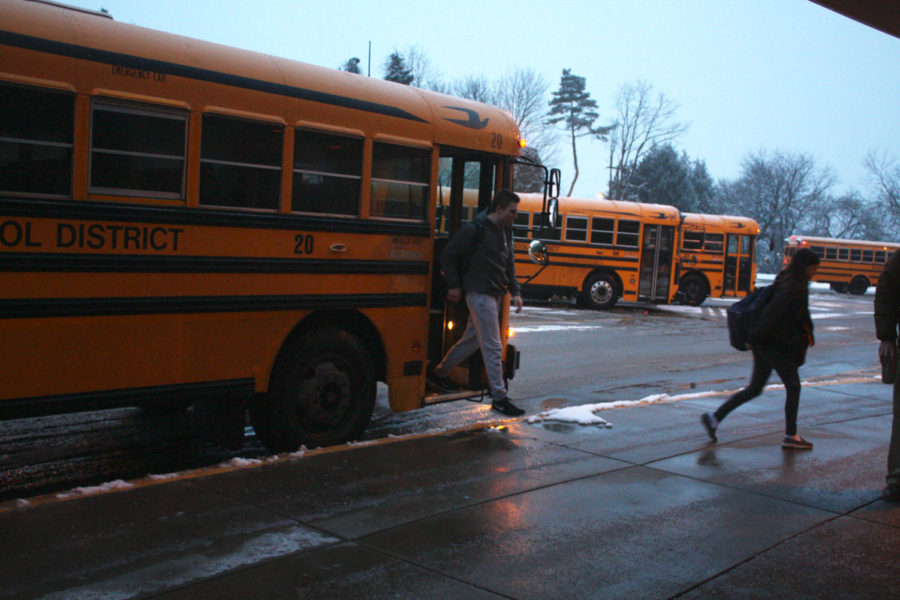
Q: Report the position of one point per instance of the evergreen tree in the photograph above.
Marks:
(351, 66)
(704, 188)
(396, 70)
(664, 177)
(572, 106)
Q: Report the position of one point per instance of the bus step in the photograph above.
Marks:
(462, 395)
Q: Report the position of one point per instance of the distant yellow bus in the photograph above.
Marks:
(847, 265)
(183, 222)
(600, 250)
(716, 257)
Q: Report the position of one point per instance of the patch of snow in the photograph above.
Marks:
(117, 484)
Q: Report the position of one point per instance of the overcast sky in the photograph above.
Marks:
(748, 75)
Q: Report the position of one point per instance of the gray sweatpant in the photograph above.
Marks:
(483, 329)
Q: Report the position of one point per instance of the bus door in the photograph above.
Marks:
(465, 187)
(738, 264)
(656, 263)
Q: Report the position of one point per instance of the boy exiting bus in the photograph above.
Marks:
(478, 264)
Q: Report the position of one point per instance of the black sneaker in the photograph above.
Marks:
(507, 408)
(709, 422)
(441, 384)
(796, 444)
(891, 493)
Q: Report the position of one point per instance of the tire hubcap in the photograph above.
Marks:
(601, 292)
(325, 394)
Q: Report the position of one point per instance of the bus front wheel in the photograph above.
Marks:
(859, 285)
(322, 393)
(600, 291)
(695, 289)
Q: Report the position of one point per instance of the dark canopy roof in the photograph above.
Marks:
(880, 14)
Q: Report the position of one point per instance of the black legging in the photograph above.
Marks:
(764, 361)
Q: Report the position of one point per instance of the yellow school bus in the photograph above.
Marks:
(600, 250)
(183, 222)
(847, 265)
(716, 257)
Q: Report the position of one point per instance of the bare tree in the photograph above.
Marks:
(848, 216)
(643, 120)
(884, 173)
(778, 191)
(424, 74)
(523, 93)
(474, 87)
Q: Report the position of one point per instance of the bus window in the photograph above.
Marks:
(867, 256)
(520, 225)
(240, 163)
(629, 233)
(715, 242)
(327, 173)
(399, 181)
(818, 251)
(547, 233)
(855, 254)
(443, 216)
(36, 141)
(602, 230)
(880, 256)
(733, 243)
(137, 149)
(692, 240)
(576, 229)
(831, 253)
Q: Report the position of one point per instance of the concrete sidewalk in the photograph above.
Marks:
(645, 509)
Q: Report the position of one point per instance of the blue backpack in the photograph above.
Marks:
(744, 315)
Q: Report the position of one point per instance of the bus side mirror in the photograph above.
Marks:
(552, 212)
(553, 183)
(537, 252)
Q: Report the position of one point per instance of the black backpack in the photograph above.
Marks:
(466, 259)
(744, 315)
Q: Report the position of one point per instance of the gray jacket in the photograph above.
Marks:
(487, 265)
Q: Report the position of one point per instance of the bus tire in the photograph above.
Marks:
(322, 393)
(600, 291)
(695, 289)
(840, 288)
(859, 285)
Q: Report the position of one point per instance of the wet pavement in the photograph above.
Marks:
(644, 509)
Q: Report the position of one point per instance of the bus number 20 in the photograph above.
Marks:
(497, 140)
(303, 243)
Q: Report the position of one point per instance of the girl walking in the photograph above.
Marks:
(779, 343)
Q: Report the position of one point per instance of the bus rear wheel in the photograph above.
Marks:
(600, 291)
(694, 288)
(859, 285)
(840, 288)
(322, 393)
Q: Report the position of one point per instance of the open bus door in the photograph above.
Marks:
(738, 264)
(466, 187)
(656, 263)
